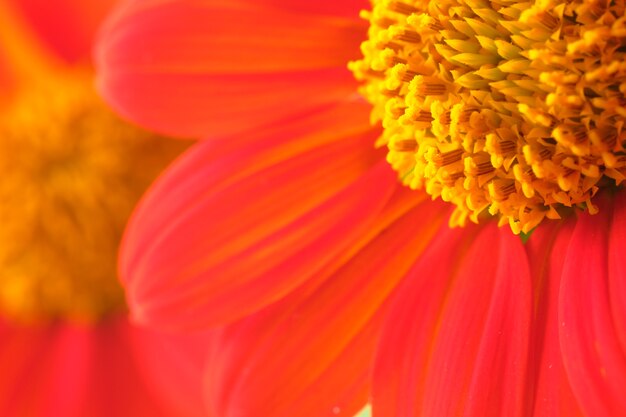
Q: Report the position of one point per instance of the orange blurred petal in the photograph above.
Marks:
(24, 59)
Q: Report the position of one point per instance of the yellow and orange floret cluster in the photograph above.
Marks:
(510, 108)
(72, 173)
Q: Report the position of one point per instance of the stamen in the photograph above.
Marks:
(427, 87)
(400, 7)
(406, 145)
(514, 110)
(447, 158)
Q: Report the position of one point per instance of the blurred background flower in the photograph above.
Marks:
(332, 284)
(71, 174)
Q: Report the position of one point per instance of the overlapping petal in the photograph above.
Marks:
(39, 36)
(172, 366)
(347, 8)
(591, 330)
(213, 244)
(61, 368)
(477, 338)
(456, 345)
(200, 67)
(73, 370)
(292, 369)
(22, 54)
(549, 390)
(290, 232)
(71, 31)
(617, 268)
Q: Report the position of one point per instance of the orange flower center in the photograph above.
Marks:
(71, 174)
(503, 108)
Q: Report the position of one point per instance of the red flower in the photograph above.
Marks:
(334, 285)
(67, 187)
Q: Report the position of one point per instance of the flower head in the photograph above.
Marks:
(507, 108)
(70, 182)
(71, 173)
(329, 282)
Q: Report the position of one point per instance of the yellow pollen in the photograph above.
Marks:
(503, 108)
(71, 174)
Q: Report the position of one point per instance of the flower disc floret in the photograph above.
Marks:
(72, 173)
(513, 109)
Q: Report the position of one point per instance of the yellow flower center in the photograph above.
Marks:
(510, 108)
(71, 174)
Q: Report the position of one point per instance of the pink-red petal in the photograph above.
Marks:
(198, 68)
(66, 27)
(456, 342)
(205, 105)
(549, 390)
(617, 268)
(226, 236)
(73, 371)
(347, 8)
(172, 366)
(590, 341)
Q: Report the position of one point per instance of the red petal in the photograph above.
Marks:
(200, 106)
(73, 371)
(549, 387)
(311, 354)
(224, 237)
(198, 68)
(592, 352)
(67, 27)
(617, 268)
(348, 8)
(456, 343)
(173, 365)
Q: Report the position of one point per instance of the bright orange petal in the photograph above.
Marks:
(194, 68)
(24, 59)
(311, 354)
